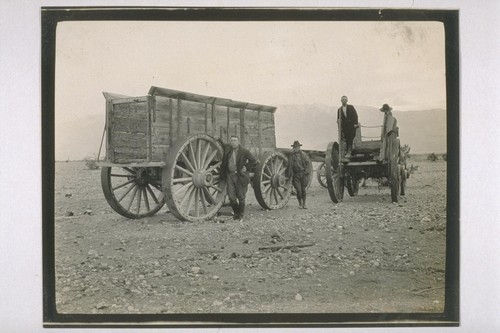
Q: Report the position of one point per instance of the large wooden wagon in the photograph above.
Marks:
(164, 148)
(380, 159)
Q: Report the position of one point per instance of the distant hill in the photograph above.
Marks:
(314, 125)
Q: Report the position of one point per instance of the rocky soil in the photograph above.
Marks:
(365, 254)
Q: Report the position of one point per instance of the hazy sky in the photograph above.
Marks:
(400, 63)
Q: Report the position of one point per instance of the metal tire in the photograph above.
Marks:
(334, 177)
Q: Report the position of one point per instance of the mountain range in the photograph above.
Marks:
(314, 125)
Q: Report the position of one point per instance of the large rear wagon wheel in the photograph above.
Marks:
(133, 192)
(321, 175)
(271, 186)
(333, 172)
(191, 179)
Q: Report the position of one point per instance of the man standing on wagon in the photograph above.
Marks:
(348, 118)
(236, 164)
(298, 161)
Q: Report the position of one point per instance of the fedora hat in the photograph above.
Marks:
(385, 108)
(296, 143)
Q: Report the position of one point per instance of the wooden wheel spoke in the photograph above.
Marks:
(139, 197)
(218, 189)
(198, 153)
(191, 154)
(133, 197)
(132, 171)
(126, 192)
(203, 200)
(120, 175)
(182, 188)
(124, 184)
(186, 160)
(264, 182)
(208, 195)
(146, 200)
(275, 195)
(205, 154)
(148, 188)
(270, 172)
(186, 196)
(215, 166)
(281, 171)
(265, 189)
(180, 180)
(209, 159)
(197, 202)
(155, 184)
(178, 167)
(279, 193)
(190, 200)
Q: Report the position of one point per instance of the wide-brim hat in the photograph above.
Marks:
(296, 143)
(385, 108)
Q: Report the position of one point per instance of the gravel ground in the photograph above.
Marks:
(365, 254)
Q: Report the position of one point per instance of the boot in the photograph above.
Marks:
(304, 201)
(241, 210)
(300, 202)
(235, 207)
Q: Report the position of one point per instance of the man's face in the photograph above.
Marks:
(235, 142)
(296, 148)
(344, 100)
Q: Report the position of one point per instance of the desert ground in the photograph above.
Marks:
(363, 255)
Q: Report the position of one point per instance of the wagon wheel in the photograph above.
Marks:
(394, 172)
(191, 179)
(271, 186)
(309, 179)
(352, 185)
(333, 173)
(321, 175)
(133, 192)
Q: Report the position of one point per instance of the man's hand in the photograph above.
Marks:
(244, 169)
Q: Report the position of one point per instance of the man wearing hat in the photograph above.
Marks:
(390, 126)
(237, 162)
(348, 118)
(298, 162)
(391, 123)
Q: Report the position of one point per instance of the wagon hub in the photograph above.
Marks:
(141, 177)
(202, 178)
(278, 181)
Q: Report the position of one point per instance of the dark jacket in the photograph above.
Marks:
(297, 164)
(243, 159)
(349, 121)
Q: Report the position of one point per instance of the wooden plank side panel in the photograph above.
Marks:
(126, 139)
(137, 110)
(132, 125)
(268, 130)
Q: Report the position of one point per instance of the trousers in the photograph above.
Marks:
(299, 182)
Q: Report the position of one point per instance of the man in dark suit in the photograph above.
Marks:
(236, 164)
(348, 118)
(298, 162)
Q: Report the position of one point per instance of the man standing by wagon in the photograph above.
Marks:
(298, 163)
(348, 118)
(236, 164)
